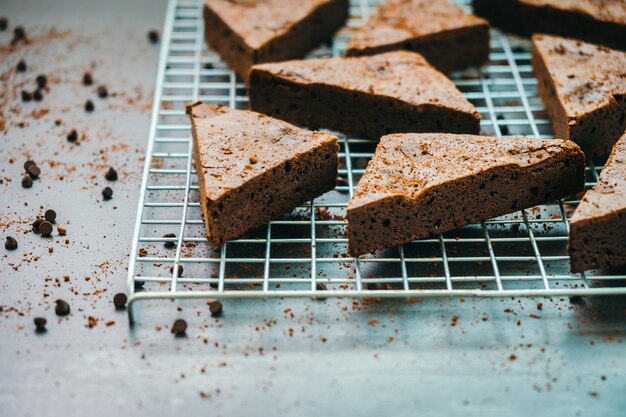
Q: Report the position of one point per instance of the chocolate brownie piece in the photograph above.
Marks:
(370, 96)
(599, 21)
(583, 87)
(417, 185)
(598, 227)
(252, 167)
(246, 32)
(447, 36)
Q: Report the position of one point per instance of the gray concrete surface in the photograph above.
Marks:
(430, 357)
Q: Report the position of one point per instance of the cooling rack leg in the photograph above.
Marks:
(130, 308)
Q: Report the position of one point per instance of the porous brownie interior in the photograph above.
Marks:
(598, 243)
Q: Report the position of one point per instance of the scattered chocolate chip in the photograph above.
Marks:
(139, 284)
(180, 270)
(62, 308)
(153, 36)
(19, 33)
(26, 96)
(21, 66)
(42, 81)
(107, 193)
(72, 136)
(27, 181)
(50, 215)
(45, 228)
(40, 324)
(62, 230)
(169, 245)
(36, 224)
(89, 107)
(179, 327)
(208, 65)
(375, 286)
(28, 163)
(33, 170)
(119, 300)
(321, 287)
(216, 308)
(87, 80)
(11, 243)
(504, 129)
(103, 92)
(4, 23)
(38, 95)
(111, 174)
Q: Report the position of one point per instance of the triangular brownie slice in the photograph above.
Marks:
(252, 167)
(598, 21)
(370, 96)
(447, 36)
(598, 226)
(417, 185)
(246, 32)
(583, 87)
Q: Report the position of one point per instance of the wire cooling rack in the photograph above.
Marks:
(303, 253)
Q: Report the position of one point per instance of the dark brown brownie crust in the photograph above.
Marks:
(598, 226)
(433, 28)
(417, 185)
(245, 33)
(583, 87)
(252, 168)
(369, 96)
(598, 21)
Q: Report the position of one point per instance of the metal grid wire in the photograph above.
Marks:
(303, 253)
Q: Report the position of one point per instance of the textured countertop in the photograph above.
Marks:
(280, 357)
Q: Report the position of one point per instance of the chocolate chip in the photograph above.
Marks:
(504, 129)
(62, 308)
(216, 308)
(119, 300)
(103, 92)
(19, 33)
(321, 287)
(41, 81)
(153, 36)
(72, 136)
(50, 215)
(111, 174)
(375, 286)
(38, 95)
(180, 270)
(28, 163)
(21, 66)
(45, 228)
(107, 193)
(11, 243)
(36, 224)
(27, 181)
(87, 80)
(169, 245)
(4, 23)
(139, 284)
(89, 107)
(26, 96)
(40, 324)
(33, 170)
(179, 327)
(208, 65)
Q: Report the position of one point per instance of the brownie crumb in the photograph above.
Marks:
(87, 79)
(179, 327)
(62, 308)
(119, 300)
(11, 243)
(41, 81)
(111, 174)
(169, 245)
(153, 36)
(107, 193)
(27, 181)
(216, 308)
(62, 230)
(72, 136)
(40, 324)
(21, 66)
(89, 107)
